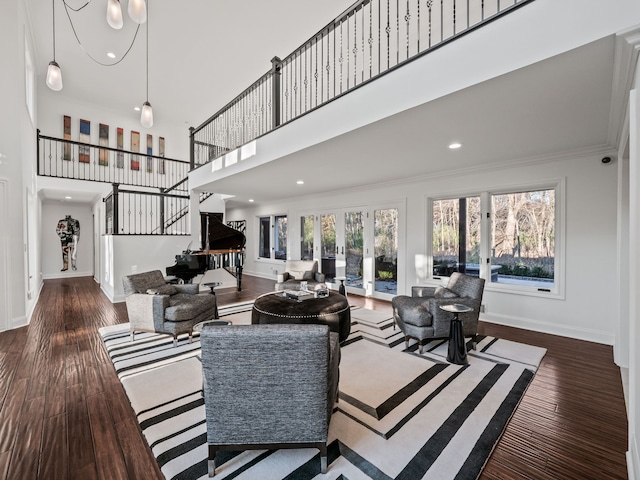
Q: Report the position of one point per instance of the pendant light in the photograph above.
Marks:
(146, 115)
(114, 14)
(137, 10)
(54, 74)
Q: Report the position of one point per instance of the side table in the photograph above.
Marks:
(212, 286)
(457, 352)
(341, 289)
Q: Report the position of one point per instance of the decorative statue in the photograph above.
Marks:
(68, 230)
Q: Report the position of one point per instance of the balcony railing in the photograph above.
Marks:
(132, 212)
(82, 161)
(370, 39)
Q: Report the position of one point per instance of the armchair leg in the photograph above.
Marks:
(323, 458)
(133, 336)
(190, 337)
(211, 464)
(420, 347)
(175, 341)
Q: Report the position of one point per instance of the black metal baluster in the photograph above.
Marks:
(407, 19)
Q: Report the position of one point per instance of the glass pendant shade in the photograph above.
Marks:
(146, 116)
(114, 14)
(137, 10)
(54, 77)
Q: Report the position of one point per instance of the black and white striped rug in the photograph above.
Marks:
(401, 415)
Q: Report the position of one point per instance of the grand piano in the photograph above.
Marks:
(222, 247)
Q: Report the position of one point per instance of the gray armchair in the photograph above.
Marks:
(419, 316)
(153, 305)
(269, 387)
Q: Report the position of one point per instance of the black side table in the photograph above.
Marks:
(212, 286)
(457, 349)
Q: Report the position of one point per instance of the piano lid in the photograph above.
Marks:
(220, 236)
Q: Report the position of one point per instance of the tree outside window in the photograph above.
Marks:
(523, 237)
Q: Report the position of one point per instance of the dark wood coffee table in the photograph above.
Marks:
(332, 310)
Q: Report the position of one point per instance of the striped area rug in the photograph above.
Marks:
(401, 415)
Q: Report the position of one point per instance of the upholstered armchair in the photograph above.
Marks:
(419, 316)
(297, 271)
(153, 305)
(269, 387)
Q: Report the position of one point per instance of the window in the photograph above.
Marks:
(278, 225)
(456, 236)
(523, 239)
(264, 249)
(280, 237)
(306, 237)
(516, 249)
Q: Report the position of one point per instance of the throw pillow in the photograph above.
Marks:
(308, 275)
(297, 274)
(443, 292)
(163, 290)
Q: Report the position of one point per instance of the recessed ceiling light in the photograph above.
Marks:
(251, 200)
(111, 55)
(67, 197)
(455, 145)
(300, 182)
(137, 109)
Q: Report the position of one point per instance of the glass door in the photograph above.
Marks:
(328, 246)
(385, 252)
(342, 248)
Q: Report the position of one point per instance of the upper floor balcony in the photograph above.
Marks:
(381, 91)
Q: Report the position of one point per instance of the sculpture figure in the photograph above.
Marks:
(68, 230)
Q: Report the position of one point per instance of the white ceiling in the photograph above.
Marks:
(202, 53)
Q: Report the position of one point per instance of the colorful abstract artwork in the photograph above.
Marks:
(161, 154)
(120, 146)
(149, 152)
(103, 137)
(135, 147)
(85, 137)
(66, 134)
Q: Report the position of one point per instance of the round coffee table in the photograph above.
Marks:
(332, 310)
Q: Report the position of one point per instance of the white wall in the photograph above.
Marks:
(590, 236)
(51, 251)
(17, 147)
(126, 254)
(54, 105)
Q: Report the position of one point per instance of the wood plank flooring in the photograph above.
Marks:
(64, 414)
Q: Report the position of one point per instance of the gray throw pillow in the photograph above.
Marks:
(163, 290)
(308, 275)
(443, 292)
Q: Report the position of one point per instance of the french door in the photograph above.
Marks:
(358, 247)
(341, 240)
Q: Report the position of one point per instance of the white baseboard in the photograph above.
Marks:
(18, 322)
(67, 274)
(633, 460)
(551, 328)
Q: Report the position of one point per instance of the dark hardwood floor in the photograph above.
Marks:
(64, 414)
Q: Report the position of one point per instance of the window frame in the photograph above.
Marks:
(272, 238)
(559, 187)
